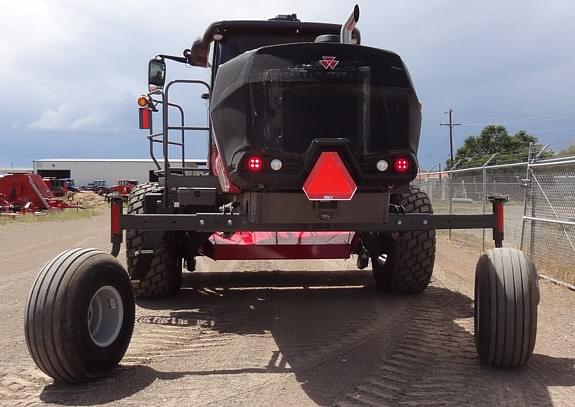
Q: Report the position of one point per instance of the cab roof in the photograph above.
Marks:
(280, 25)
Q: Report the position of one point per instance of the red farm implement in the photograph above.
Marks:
(28, 193)
(59, 187)
(123, 188)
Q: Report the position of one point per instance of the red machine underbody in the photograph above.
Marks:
(328, 180)
(280, 245)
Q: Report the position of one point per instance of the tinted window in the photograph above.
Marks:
(233, 46)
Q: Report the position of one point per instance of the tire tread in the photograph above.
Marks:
(506, 293)
(412, 255)
(164, 278)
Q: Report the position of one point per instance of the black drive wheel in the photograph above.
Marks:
(506, 300)
(79, 316)
(403, 262)
(164, 277)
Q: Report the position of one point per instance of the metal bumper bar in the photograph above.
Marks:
(219, 222)
(210, 222)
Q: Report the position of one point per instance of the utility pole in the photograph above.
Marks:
(451, 125)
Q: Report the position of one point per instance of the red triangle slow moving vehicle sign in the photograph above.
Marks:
(329, 179)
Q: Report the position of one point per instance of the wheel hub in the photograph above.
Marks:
(105, 316)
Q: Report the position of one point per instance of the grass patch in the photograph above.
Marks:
(52, 216)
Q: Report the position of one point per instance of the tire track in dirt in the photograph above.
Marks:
(270, 356)
(168, 336)
(431, 364)
(21, 388)
(228, 328)
(436, 364)
(164, 335)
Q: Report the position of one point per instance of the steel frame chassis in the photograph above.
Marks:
(211, 222)
(221, 222)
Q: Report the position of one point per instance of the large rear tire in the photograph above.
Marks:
(164, 278)
(79, 316)
(506, 300)
(403, 262)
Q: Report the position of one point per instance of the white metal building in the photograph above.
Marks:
(15, 170)
(85, 171)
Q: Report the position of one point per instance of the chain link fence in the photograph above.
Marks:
(539, 216)
(549, 221)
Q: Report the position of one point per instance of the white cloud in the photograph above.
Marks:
(70, 117)
(89, 121)
(54, 119)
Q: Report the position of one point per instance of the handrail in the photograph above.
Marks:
(187, 128)
(166, 128)
(152, 137)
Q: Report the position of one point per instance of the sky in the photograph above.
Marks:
(73, 69)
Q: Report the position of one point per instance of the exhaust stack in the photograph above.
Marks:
(349, 25)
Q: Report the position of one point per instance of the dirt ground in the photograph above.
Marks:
(288, 334)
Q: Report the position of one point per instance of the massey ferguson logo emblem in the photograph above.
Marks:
(329, 63)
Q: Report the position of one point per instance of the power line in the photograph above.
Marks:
(545, 112)
(551, 130)
(451, 125)
(546, 118)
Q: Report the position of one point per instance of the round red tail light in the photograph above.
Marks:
(255, 163)
(401, 165)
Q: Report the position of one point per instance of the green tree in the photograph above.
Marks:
(476, 150)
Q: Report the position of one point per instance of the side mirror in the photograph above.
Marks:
(156, 74)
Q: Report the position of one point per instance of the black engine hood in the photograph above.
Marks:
(278, 99)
